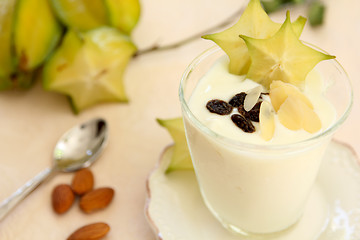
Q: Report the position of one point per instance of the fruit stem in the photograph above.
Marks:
(191, 38)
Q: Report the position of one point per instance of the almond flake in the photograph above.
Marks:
(267, 121)
(252, 97)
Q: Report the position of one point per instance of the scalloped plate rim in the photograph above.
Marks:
(160, 163)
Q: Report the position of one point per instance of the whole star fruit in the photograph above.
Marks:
(123, 14)
(81, 15)
(254, 22)
(88, 67)
(36, 33)
(18, 79)
(282, 57)
(7, 60)
(180, 159)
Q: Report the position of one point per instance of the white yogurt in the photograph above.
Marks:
(218, 83)
(248, 188)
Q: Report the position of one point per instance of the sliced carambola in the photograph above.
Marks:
(89, 67)
(254, 22)
(279, 91)
(180, 159)
(81, 15)
(36, 32)
(7, 61)
(282, 57)
(123, 14)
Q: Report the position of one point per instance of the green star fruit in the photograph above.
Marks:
(123, 14)
(282, 57)
(254, 22)
(36, 33)
(81, 15)
(7, 61)
(88, 67)
(180, 159)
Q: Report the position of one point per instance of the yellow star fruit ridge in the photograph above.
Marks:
(89, 67)
(180, 159)
(282, 57)
(254, 22)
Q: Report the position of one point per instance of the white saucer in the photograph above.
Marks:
(176, 211)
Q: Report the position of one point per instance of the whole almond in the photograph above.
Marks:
(83, 181)
(92, 231)
(62, 198)
(96, 199)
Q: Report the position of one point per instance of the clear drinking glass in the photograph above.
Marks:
(253, 188)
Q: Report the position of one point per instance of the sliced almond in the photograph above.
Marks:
(93, 231)
(252, 97)
(267, 121)
(311, 121)
(295, 114)
(279, 91)
(290, 115)
(96, 199)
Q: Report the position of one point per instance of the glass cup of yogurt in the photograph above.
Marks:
(250, 185)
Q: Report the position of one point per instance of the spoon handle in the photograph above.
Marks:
(8, 204)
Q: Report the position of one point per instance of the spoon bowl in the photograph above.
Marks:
(78, 148)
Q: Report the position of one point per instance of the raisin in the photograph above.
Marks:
(253, 114)
(242, 110)
(219, 107)
(243, 123)
(237, 100)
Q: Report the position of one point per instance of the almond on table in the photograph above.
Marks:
(62, 198)
(83, 181)
(96, 199)
(94, 231)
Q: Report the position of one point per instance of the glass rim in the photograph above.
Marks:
(185, 108)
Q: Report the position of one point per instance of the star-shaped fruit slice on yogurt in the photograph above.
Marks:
(282, 57)
(254, 22)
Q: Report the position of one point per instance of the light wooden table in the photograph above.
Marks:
(32, 121)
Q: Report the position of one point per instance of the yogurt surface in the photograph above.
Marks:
(218, 83)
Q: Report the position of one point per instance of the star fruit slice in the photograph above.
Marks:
(282, 57)
(89, 67)
(180, 159)
(81, 15)
(254, 22)
(36, 33)
(123, 14)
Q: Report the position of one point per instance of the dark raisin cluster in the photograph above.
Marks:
(219, 107)
(244, 118)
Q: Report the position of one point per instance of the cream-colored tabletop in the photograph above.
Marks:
(32, 121)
